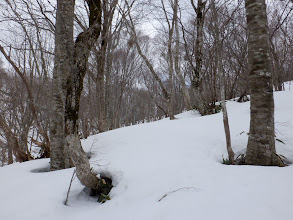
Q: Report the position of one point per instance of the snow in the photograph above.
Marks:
(148, 162)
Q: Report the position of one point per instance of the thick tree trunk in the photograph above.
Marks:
(261, 141)
(73, 60)
(62, 67)
(74, 85)
(79, 158)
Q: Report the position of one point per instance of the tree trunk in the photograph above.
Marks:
(108, 89)
(261, 141)
(73, 60)
(10, 155)
(102, 62)
(197, 69)
(63, 63)
(185, 91)
(171, 26)
(100, 81)
(74, 85)
(277, 70)
(221, 73)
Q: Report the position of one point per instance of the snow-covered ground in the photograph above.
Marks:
(177, 162)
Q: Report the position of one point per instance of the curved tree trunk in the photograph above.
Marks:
(71, 61)
(261, 142)
(74, 85)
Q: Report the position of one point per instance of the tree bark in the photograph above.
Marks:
(74, 85)
(72, 59)
(63, 63)
(261, 142)
(197, 69)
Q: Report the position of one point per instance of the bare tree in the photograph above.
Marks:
(177, 67)
(220, 69)
(29, 56)
(108, 9)
(150, 66)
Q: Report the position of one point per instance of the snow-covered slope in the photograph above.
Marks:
(177, 162)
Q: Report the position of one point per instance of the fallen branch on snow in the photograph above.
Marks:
(176, 191)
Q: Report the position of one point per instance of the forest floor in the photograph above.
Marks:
(164, 170)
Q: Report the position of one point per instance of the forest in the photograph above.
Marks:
(72, 69)
(146, 102)
(151, 61)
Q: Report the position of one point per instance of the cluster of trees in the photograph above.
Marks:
(107, 70)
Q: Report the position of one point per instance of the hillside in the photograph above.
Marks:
(177, 162)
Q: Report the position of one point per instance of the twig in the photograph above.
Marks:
(72, 178)
(165, 195)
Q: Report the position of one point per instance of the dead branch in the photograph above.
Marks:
(165, 195)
